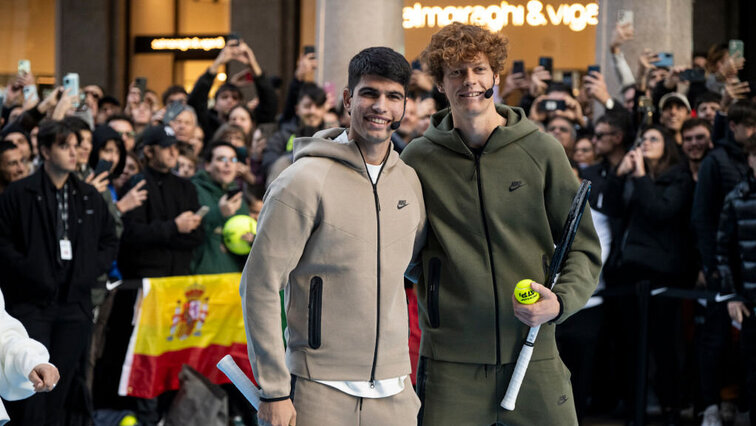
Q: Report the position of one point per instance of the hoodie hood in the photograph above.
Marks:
(100, 137)
(203, 179)
(442, 131)
(324, 144)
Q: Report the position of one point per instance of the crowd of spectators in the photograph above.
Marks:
(96, 191)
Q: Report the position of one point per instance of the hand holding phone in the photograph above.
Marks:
(71, 86)
(666, 60)
(188, 221)
(547, 62)
(202, 211)
(102, 166)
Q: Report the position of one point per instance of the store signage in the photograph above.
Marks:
(576, 16)
(182, 47)
(186, 43)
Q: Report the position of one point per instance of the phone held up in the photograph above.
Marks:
(71, 85)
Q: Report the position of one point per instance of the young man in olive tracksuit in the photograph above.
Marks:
(497, 193)
(337, 231)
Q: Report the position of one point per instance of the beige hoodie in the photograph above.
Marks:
(339, 246)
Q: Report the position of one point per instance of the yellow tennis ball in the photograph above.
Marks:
(524, 294)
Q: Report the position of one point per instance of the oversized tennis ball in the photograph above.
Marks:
(233, 230)
(524, 294)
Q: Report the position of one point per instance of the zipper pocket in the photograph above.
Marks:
(315, 307)
(434, 272)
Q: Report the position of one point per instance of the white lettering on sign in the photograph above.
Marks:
(188, 43)
(495, 17)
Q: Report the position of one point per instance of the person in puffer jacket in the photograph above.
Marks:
(736, 262)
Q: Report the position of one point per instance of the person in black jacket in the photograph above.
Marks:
(310, 111)
(229, 95)
(158, 241)
(736, 257)
(56, 238)
(720, 171)
(652, 192)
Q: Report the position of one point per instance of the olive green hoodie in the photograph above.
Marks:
(339, 245)
(492, 221)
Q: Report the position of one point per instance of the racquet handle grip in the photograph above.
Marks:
(508, 403)
(228, 366)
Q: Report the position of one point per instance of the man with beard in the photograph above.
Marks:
(696, 142)
(12, 164)
(310, 110)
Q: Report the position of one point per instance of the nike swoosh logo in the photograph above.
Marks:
(401, 204)
(722, 297)
(111, 286)
(516, 185)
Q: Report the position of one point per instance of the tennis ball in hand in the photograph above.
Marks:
(524, 294)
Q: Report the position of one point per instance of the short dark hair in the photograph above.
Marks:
(172, 90)
(312, 91)
(123, 117)
(228, 87)
(382, 62)
(620, 121)
(742, 111)
(708, 97)
(216, 144)
(559, 87)
(7, 146)
(695, 122)
(186, 150)
(53, 132)
(77, 125)
(108, 99)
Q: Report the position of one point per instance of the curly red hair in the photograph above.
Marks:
(457, 43)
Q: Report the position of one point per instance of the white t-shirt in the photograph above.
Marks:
(381, 388)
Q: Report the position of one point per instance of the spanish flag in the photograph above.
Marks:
(194, 320)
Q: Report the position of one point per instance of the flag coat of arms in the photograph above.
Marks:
(194, 320)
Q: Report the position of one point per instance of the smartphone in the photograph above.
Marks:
(518, 67)
(736, 48)
(172, 111)
(625, 17)
(666, 60)
(694, 75)
(30, 92)
(309, 49)
(71, 84)
(133, 181)
(102, 166)
(547, 62)
(232, 193)
(549, 105)
(232, 37)
(141, 84)
(567, 79)
(24, 67)
(416, 65)
(596, 68)
(202, 211)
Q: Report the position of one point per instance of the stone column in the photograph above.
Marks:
(271, 29)
(342, 29)
(662, 25)
(90, 40)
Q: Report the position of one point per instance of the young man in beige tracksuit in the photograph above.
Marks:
(337, 231)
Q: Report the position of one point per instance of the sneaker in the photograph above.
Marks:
(711, 416)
